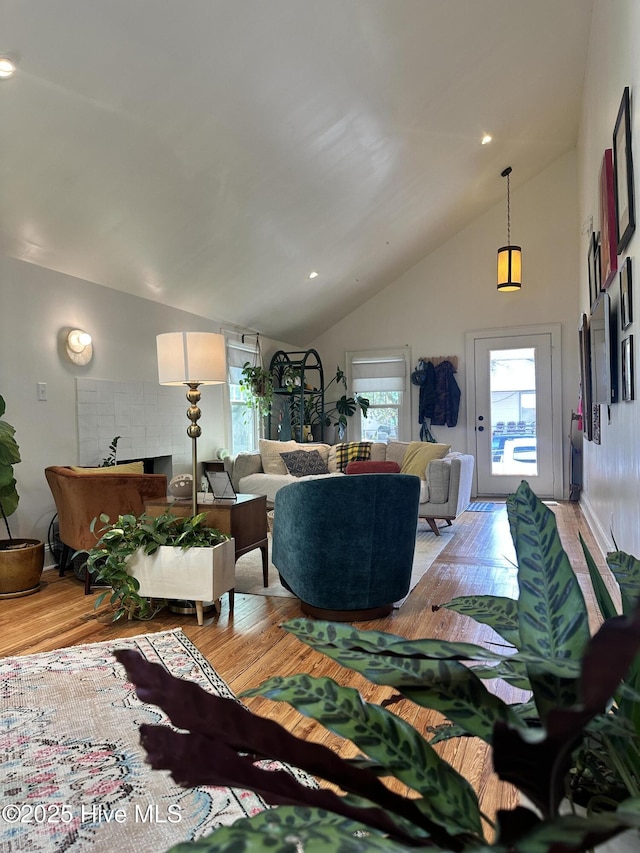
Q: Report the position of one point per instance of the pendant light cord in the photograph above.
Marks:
(505, 174)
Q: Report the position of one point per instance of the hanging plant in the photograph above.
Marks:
(258, 382)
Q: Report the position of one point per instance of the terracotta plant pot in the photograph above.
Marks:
(21, 567)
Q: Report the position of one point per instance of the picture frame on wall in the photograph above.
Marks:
(623, 174)
(596, 423)
(628, 379)
(594, 267)
(608, 234)
(626, 302)
(584, 341)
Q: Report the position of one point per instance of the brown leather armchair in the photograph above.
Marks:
(81, 497)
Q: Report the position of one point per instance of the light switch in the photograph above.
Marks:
(42, 391)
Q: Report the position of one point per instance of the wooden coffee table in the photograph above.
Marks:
(244, 518)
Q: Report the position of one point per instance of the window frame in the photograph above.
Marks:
(249, 352)
(377, 357)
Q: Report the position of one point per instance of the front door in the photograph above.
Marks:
(515, 415)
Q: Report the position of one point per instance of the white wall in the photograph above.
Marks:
(37, 305)
(612, 469)
(453, 291)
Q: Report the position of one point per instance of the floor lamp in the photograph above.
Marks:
(193, 359)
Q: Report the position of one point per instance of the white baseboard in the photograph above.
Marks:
(603, 542)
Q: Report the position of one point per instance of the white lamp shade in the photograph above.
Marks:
(191, 357)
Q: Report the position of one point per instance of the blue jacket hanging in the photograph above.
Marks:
(439, 393)
(445, 410)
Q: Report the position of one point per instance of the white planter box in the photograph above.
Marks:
(195, 574)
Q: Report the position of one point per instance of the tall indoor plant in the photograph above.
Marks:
(21, 560)
(335, 413)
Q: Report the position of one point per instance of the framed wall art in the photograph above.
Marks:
(596, 423)
(628, 379)
(594, 267)
(626, 302)
(608, 234)
(585, 375)
(623, 174)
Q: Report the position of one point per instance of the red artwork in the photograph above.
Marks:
(608, 238)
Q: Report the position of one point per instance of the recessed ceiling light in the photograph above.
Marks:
(486, 139)
(313, 274)
(7, 67)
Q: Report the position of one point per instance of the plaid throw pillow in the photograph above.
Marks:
(301, 463)
(352, 451)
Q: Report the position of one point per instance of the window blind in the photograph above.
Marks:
(381, 370)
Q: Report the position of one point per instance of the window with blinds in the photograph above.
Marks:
(382, 377)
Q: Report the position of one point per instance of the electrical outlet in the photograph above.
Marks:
(42, 391)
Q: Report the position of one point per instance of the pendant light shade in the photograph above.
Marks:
(509, 257)
(510, 268)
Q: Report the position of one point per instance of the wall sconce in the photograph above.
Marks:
(192, 359)
(509, 257)
(79, 347)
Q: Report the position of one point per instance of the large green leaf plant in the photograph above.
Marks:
(571, 678)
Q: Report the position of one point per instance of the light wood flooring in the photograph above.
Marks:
(249, 646)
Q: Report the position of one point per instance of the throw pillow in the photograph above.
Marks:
(373, 467)
(301, 463)
(418, 456)
(270, 452)
(123, 468)
(352, 451)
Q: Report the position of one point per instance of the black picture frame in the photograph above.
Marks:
(623, 174)
(626, 298)
(221, 485)
(593, 260)
(584, 341)
(628, 379)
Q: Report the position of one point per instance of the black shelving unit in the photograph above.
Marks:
(288, 410)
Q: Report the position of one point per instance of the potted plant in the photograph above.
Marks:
(572, 677)
(21, 560)
(338, 411)
(259, 383)
(164, 557)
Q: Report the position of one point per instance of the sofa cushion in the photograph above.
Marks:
(396, 451)
(373, 467)
(272, 462)
(438, 478)
(352, 451)
(378, 451)
(122, 468)
(418, 456)
(301, 463)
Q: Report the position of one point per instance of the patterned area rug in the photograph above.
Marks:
(249, 566)
(74, 776)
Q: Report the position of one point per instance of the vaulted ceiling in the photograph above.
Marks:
(210, 154)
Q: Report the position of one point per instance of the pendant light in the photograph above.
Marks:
(509, 257)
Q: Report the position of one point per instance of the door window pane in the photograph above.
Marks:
(513, 412)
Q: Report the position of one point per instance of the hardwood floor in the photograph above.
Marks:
(249, 646)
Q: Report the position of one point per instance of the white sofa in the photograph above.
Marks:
(445, 483)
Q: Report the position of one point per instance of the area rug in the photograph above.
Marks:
(483, 506)
(249, 566)
(74, 776)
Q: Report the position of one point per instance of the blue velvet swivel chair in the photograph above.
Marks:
(344, 545)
